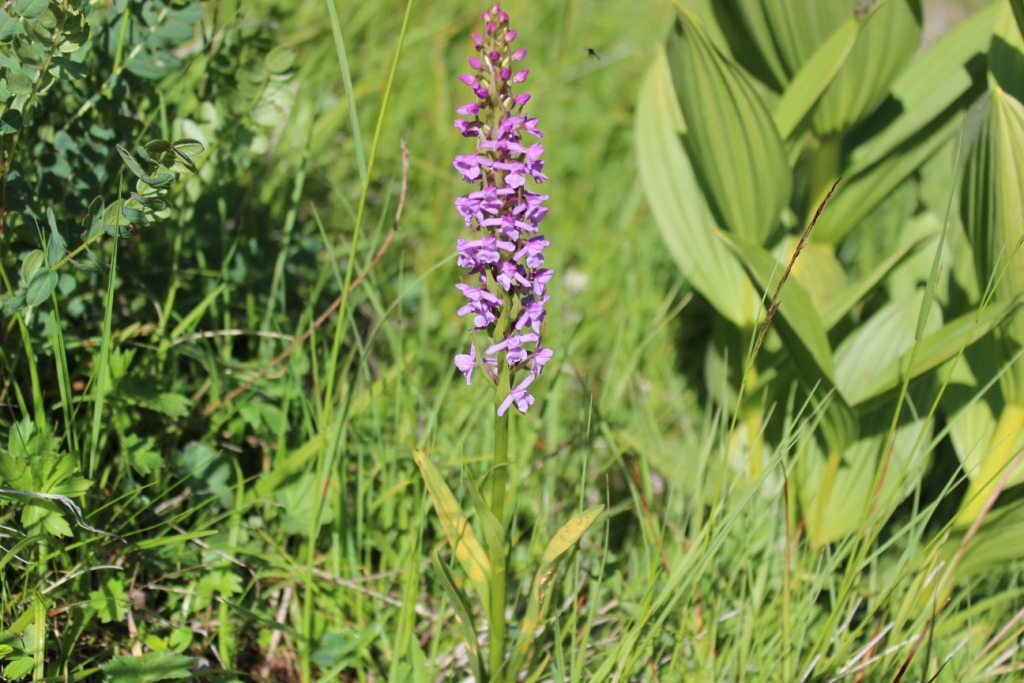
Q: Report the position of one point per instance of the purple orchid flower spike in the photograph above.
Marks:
(504, 262)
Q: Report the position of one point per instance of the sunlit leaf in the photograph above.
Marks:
(885, 44)
(843, 302)
(731, 138)
(935, 349)
(678, 205)
(860, 194)
(879, 341)
(1018, 14)
(814, 77)
(930, 85)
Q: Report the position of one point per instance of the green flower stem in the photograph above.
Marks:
(499, 479)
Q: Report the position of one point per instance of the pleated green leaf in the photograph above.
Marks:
(798, 27)
(731, 139)
(750, 39)
(818, 271)
(1006, 53)
(991, 197)
(834, 494)
(930, 87)
(795, 307)
(1018, 14)
(859, 195)
(1000, 540)
(936, 348)
(972, 418)
(804, 337)
(814, 77)
(840, 305)
(565, 538)
(467, 548)
(880, 341)
(678, 205)
(885, 44)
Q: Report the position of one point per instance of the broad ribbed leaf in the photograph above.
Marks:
(991, 196)
(1018, 14)
(817, 270)
(465, 545)
(732, 139)
(814, 77)
(1000, 540)
(885, 44)
(838, 306)
(879, 342)
(795, 307)
(1006, 54)
(750, 39)
(836, 493)
(804, 337)
(862, 193)
(798, 27)
(678, 205)
(930, 85)
(936, 348)
(972, 418)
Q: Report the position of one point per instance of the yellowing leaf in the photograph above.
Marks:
(467, 548)
(565, 538)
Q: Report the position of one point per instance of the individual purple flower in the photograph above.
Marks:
(538, 359)
(519, 396)
(510, 274)
(533, 314)
(541, 278)
(513, 347)
(468, 165)
(481, 312)
(466, 363)
(508, 292)
(533, 250)
(478, 294)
